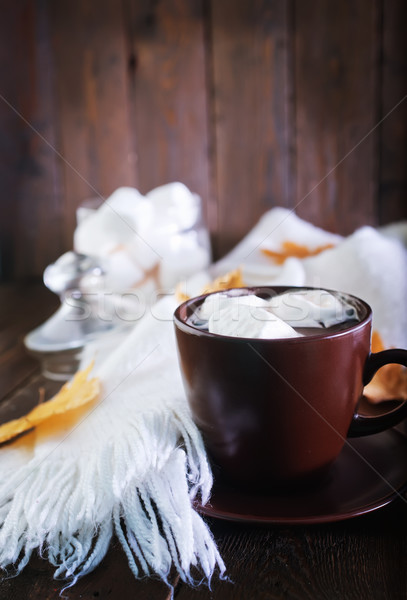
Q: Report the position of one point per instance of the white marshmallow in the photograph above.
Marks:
(214, 303)
(311, 308)
(243, 321)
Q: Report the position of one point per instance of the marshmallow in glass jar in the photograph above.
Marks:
(147, 242)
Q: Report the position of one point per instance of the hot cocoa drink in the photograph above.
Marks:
(267, 315)
(273, 379)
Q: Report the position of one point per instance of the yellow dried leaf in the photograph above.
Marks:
(73, 395)
(390, 382)
(233, 279)
(180, 295)
(292, 249)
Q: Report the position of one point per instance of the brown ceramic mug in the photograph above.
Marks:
(278, 411)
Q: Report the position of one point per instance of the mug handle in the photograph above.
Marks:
(365, 425)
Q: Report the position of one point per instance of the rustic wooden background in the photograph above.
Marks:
(251, 103)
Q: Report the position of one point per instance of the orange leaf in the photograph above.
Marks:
(390, 382)
(291, 249)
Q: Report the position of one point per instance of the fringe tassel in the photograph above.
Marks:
(68, 508)
(132, 467)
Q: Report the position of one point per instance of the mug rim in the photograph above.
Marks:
(187, 328)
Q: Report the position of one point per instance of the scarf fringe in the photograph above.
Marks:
(140, 486)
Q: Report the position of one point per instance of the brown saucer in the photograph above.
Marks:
(369, 473)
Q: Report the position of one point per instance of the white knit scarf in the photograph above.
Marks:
(131, 467)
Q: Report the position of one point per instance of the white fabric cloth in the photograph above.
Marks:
(132, 466)
(136, 462)
(370, 263)
(373, 267)
(275, 227)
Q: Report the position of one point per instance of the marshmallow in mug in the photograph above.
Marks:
(249, 316)
(312, 308)
(249, 322)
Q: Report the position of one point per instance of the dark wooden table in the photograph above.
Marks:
(365, 557)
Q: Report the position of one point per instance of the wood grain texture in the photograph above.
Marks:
(251, 104)
(336, 58)
(30, 393)
(22, 309)
(393, 148)
(253, 95)
(361, 558)
(95, 138)
(30, 219)
(168, 93)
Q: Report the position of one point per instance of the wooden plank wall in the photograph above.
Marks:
(251, 103)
